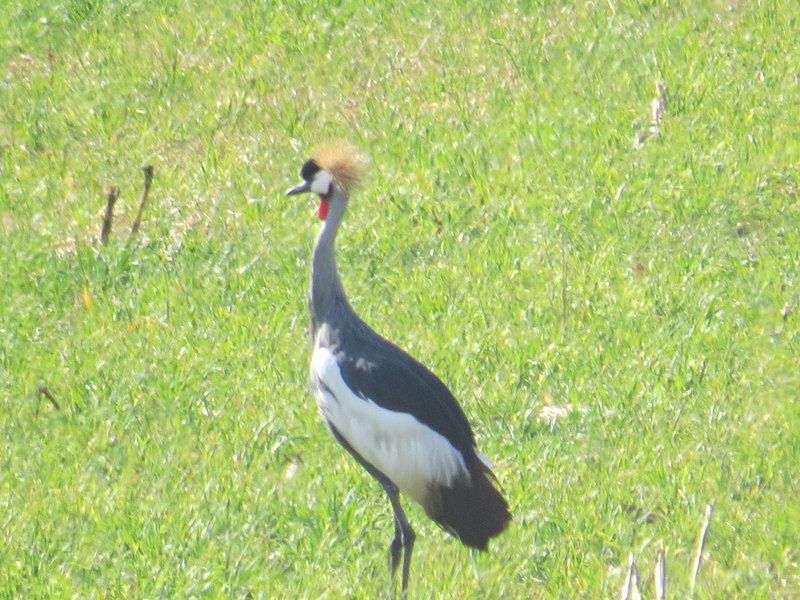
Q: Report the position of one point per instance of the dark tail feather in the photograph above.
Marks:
(474, 511)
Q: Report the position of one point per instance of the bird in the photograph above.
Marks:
(396, 418)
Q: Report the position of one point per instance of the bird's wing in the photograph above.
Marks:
(394, 380)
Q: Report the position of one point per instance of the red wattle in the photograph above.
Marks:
(323, 209)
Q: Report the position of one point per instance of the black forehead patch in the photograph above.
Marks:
(310, 168)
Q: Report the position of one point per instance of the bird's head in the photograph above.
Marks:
(332, 172)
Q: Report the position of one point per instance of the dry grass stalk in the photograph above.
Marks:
(700, 544)
(658, 107)
(148, 180)
(630, 589)
(44, 391)
(113, 194)
(660, 575)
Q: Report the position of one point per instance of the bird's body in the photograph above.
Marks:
(390, 412)
(411, 454)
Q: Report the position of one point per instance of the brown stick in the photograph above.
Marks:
(43, 391)
(148, 180)
(113, 193)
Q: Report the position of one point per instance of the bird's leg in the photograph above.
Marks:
(394, 549)
(397, 542)
(403, 534)
(408, 545)
(406, 535)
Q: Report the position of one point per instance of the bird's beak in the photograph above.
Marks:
(301, 188)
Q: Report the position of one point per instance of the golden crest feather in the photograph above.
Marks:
(343, 161)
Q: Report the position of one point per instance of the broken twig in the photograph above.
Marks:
(43, 391)
(113, 193)
(148, 180)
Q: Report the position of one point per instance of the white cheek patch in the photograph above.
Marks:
(322, 183)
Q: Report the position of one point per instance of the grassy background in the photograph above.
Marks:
(512, 236)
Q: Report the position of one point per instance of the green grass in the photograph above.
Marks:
(512, 236)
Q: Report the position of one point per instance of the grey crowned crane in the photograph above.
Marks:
(395, 417)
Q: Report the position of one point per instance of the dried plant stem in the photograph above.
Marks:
(660, 575)
(630, 589)
(700, 544)
(148, 180)
(44, 391)
(113, 194)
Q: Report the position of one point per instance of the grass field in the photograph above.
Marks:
(515, 235)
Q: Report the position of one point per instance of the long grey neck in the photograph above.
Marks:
(327, 292)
